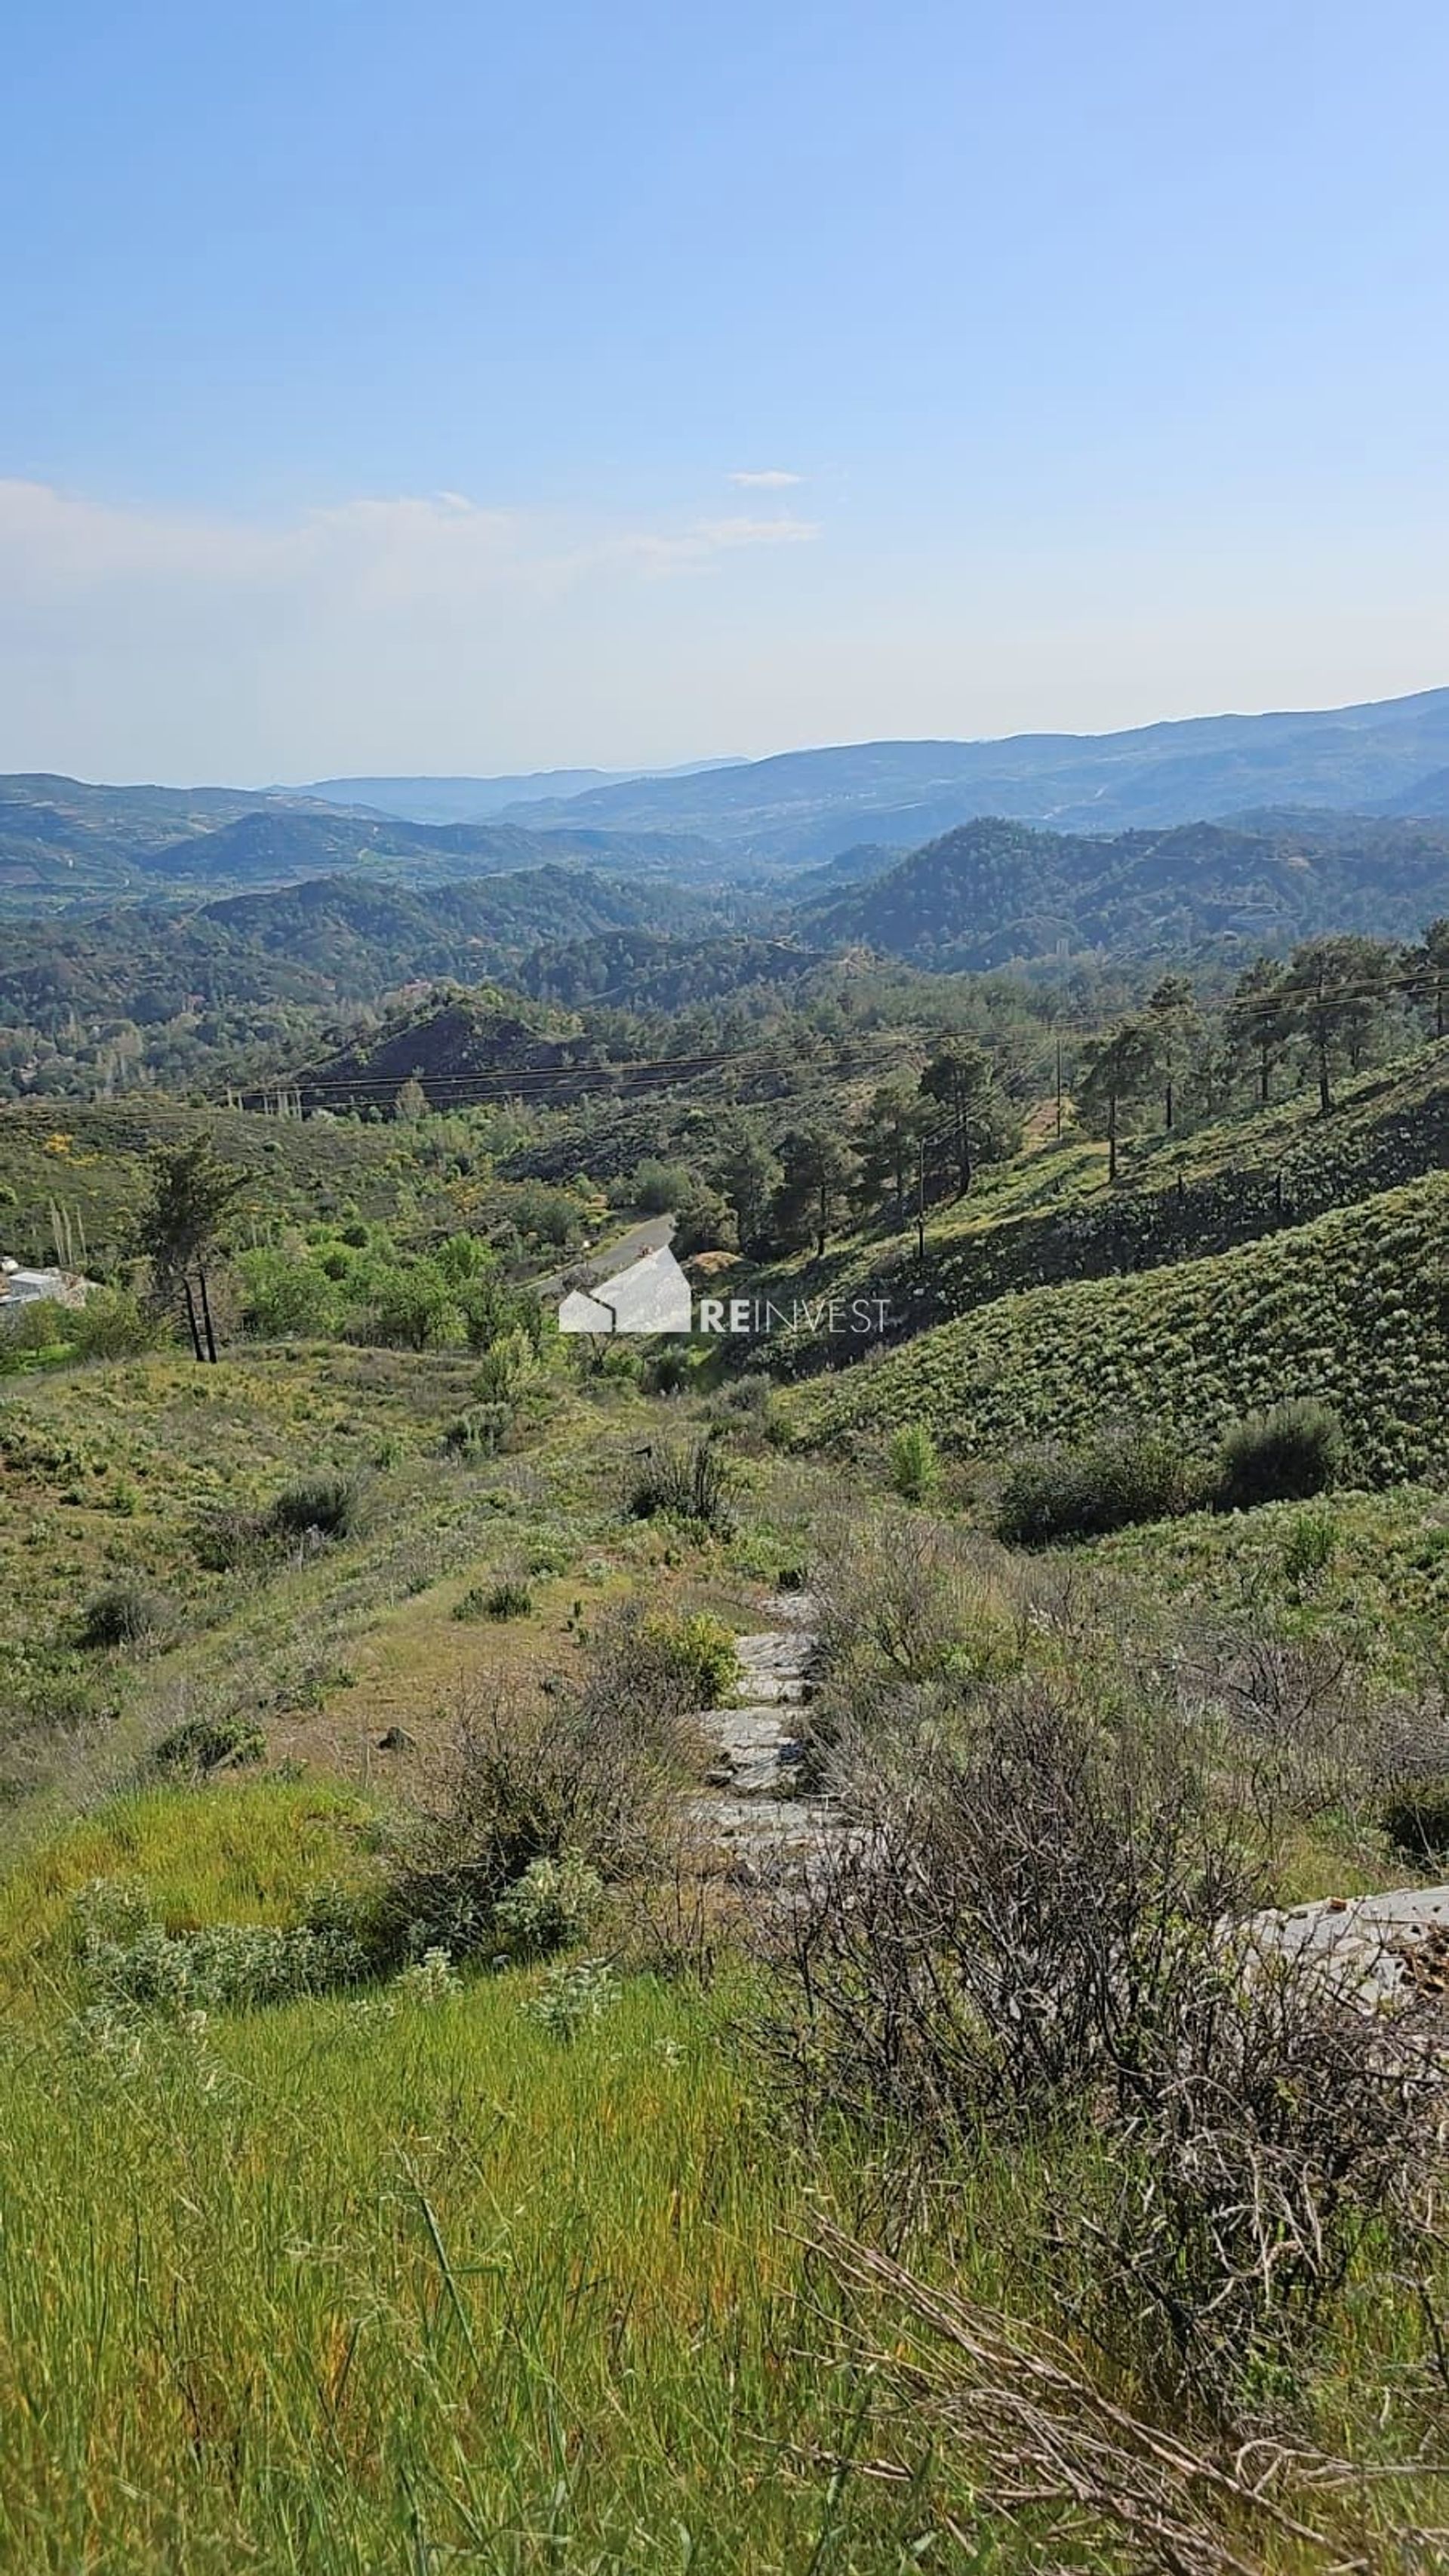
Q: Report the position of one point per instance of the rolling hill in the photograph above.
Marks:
(65, 842)
(332, 939)
(61, 838)
(276, 847)
(994, 891)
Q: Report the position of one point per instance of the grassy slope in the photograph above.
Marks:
(373, 2282)
(107, 1472)
(1381, 1594)
(367, 2284)
(1349, 1308)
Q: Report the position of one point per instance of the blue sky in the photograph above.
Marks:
(458, 388)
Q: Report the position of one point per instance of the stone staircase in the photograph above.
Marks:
(754, 1807)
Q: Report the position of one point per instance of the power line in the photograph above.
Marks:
(525, 1081)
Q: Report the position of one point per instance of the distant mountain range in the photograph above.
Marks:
(808, 805)
(844, 810)
(477, 800)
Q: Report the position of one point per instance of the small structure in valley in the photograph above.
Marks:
(20, 1288)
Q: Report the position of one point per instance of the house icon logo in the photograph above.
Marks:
(651, 1296)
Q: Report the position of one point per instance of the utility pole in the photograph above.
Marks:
(1059, 1085)
(920, 1198)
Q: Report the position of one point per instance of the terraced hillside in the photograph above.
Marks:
(1050, 1216)
(1353, 1307)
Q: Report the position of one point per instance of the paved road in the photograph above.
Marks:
(608, 1257)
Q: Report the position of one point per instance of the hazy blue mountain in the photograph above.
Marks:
(1426, 797)
(63, 841)
(477, 800)
(280, 846)
(806, 805)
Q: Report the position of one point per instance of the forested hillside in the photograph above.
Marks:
(994, 892)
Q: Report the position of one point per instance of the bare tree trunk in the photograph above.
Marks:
(191, 1319)
(206, 1318)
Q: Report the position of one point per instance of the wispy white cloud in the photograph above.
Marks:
(769, 478)
(54, 543)
(137, 638)
(700, 545)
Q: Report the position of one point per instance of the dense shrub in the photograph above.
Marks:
(588, 1780)
(124, 1614)
(210, 1744)
(692, 1484)
(1416, 1821)
(914, 1464)
(1028, 1936)
(668, 1370)
(305, 1515)
(478, 1433)
(1126, 1477)
(328, 1502)
(691, 1654)
(1284, 1455)
(284, 1293)
(413, 1309)
(113, 1325)
(503, 1365)
(550, 1907)
(128, 1959)
(657, 1187)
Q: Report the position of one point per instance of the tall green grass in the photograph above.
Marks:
(371, 2285)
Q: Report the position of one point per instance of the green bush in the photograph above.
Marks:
(668, 1370)
(914, 1464)
(503, 1365)
(328, 1501)
(1128, 1476)
(129, 1961)
(478, 1433)
(549, 1908)
(692, 1654)
(1417, 1821)
(124, 1614)
(508, 1598)
(1309, 1546)
(657, 1187)
(692, 1484)
(285, 1295)
(210, 1744)
(113, 1325)
(1285, 1455)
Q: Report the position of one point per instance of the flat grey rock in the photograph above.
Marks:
(1393, 1946)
